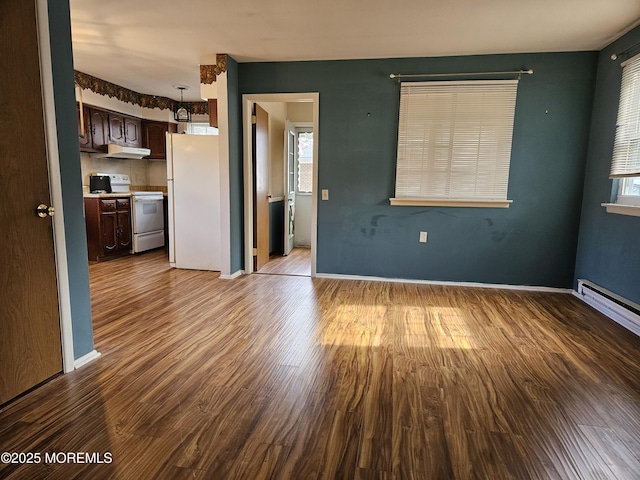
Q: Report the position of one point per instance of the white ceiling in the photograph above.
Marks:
(150, 45)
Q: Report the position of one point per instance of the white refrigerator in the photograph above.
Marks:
(193, 184)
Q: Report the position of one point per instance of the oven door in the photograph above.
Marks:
(148, 215)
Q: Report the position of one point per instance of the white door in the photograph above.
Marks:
(290, 186)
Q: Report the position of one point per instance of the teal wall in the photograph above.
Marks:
(359, 233)
(236, 180)
(531, 243)
(609, 244)
(69, 152)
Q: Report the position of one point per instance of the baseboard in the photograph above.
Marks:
(527, 288)
(614, 310)
(83, 360)
(232, 276)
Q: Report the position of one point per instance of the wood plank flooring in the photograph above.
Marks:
(298, 262)
(287, 377)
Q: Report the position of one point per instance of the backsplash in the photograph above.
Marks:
(142, 173)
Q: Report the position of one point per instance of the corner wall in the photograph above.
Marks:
(236, 180)
(71, 177)
(608, 251)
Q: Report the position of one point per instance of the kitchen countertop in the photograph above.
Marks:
(113, 195)
(107, 195)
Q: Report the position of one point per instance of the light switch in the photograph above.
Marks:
(325, 194)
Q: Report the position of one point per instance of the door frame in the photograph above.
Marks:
(55, 186)
(247, 101)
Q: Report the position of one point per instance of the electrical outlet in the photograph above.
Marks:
(423, 237)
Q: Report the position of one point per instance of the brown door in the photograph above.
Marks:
(261, 188)
(30, 344)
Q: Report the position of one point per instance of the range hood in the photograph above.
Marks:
(118, 151)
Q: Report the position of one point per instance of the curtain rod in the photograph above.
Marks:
(615, 56)
(519, 72)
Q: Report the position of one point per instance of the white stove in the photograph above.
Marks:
(146, 193)
(147, 213)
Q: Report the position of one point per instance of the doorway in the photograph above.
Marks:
(283, 189)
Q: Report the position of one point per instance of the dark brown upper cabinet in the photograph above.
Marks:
(154, 137)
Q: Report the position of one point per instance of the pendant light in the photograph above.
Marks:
(182, 112)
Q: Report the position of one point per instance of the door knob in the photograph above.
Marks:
(44, 211)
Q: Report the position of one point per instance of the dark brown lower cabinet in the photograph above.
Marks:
(108, 221)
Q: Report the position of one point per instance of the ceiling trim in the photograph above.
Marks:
(108, 89)
(208, 73)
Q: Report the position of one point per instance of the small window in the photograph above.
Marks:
(629, 191)
(305, 162)
(454, 143)
(201, 129)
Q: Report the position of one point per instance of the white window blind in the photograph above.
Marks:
(454, 142)
(626, 147)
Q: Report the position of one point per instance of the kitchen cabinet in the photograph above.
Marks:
(116, 129)
(213, 112)
(108, 222)
(96, 130)
(103, 127)
(154, 137)
(99, 129)
(132, 132)
(84, 136)
(124, 130)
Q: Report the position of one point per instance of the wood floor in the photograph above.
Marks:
(298, 262)
(288, 377)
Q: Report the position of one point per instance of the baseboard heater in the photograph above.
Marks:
(617, 308)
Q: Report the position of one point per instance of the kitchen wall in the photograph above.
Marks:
(148, 173)
(608, 252)
(141, 172)
(110, 103)
(531, 243)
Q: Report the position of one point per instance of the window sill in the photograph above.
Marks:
(632, 210)
(423, 202)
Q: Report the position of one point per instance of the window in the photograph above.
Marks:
(454, 143)
(625, 165)
(305, 161)
(201, 129)
(629, 191)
